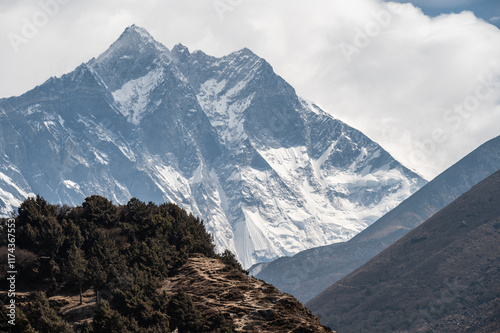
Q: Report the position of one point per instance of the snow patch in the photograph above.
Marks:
(9, 201)
(101, 157)
(127, 152)
(133, 97)
(224, 202)
(197, 175)
(287, 162)
(10, 183)
(71, 184)
(36, 108)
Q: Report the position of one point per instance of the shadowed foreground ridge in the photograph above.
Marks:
(133, 268)
(441, 277)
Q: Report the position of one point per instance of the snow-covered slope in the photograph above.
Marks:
(308, 273)
(226, 138)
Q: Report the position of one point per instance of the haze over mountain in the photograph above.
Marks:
(440, 277)
(308, 273)
(226, 138)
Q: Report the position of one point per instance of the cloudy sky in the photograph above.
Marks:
(421, 79)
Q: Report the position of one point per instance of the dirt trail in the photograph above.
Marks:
(252, 305)
(67, 305)
(70, 309)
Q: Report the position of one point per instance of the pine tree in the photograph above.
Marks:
(42, 317)
(76, 268)
(183, 314)
(39, 227)
(97, 275)
(230, 260)
(100, 211)
(107, 320)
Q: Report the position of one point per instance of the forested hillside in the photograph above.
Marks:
(114, 263)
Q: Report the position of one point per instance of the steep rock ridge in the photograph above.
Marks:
(225, 138)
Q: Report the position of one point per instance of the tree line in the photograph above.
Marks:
(122, 252)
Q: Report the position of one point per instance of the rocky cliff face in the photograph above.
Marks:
(225, 138)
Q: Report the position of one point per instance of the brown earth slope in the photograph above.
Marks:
(441, 277)
(251, 305)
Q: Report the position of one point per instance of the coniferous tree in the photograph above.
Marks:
(124, 253)
(22, 325)
(183, 314)
(39, 227)
(104, 249)
(107, 320)
(73, 235)
(99, 211)
(97, 276)
(32, 209)
(42, 317)
(76, 268)
(230, 260)
(135, 212)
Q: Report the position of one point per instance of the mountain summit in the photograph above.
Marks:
(226, 138)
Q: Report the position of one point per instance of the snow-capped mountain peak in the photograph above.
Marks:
(226, 138)
(133, 55)
(141, 38)
(141, 32)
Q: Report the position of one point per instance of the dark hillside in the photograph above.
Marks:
(441, 277)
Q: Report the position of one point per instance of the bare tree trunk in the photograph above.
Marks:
(54, 281)
(97, 296)
(81, 295)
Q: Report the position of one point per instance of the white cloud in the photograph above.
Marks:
(400, 88)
